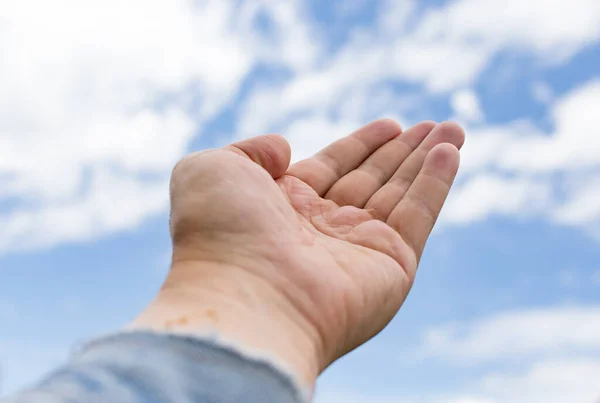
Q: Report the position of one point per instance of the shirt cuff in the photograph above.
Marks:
(142, 366)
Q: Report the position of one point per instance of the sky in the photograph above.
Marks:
(98, 101)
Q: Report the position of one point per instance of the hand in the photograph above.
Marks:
(304, 262)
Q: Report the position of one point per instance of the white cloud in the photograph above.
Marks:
(510, 169)
(518, 334)
(491, 194)
(107, 93)
(551, 381)
(315, 132)
(394, 16)
(445, 49)
(88, 87)
(79, 100)
(465, 104)
(583, 206)
(553, 28)
(453, 44)
(519, 147)
(506, 169)
(573, 144)
(546, 355)
(112, 203)
(289, 41)
(98, 96)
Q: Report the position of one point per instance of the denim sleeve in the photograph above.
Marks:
(153, 368)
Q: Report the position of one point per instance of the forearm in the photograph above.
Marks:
(223, 301)
(144, 367)
(213, 334)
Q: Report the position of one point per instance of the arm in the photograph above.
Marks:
(292, 265)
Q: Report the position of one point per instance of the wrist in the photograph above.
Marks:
(242, 311)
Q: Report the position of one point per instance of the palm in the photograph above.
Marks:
(355, 194)
(349, 224)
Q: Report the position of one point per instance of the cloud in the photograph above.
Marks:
(484, 195)
(551, 381)
(445, 48)
(583, 207)
(517, 334)
(86, 107)
(508, 169)
(572, 145)
(100, 87)
(511, 169)
(545, 355)
(465, 104)
(553, 29)
(99, 97)
(112, 203)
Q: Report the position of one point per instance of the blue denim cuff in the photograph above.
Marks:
(144, 367)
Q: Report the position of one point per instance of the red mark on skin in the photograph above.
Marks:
(213, 315)
(182, 321)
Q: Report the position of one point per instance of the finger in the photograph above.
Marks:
(385, 199)
(416, 214)
(271, 151)
(359, 185)
(334, 161)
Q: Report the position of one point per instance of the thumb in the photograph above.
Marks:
(271, 151)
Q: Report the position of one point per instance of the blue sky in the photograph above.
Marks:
(506, 306)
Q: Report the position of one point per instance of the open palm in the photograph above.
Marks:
(339, 234)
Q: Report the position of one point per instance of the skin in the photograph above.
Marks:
(303, 263)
